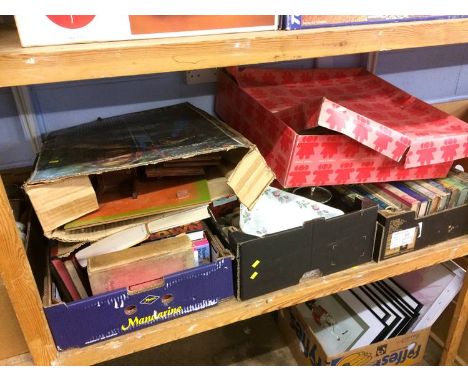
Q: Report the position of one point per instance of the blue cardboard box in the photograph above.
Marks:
(122, 311)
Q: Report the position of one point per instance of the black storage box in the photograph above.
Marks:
(402, 232)
(319, 247)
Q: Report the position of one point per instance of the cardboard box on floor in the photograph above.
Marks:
(338, 126)
(60, 189)
(404, 350)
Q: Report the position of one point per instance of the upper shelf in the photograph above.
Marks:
(24, 66)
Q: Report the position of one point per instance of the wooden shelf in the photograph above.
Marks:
(233, 311)
(24, 66)
(39, 65)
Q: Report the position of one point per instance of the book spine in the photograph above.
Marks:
(433, 198)
(423, 209)
(455, 191)
(410, 202)
(443, 196)
(368, 194)
(441, 187)
(392, 202)
(462, 187)
(64, 277)
(202, 251)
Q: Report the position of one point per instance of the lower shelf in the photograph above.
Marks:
(234, 311)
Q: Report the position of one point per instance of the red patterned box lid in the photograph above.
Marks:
(362, 106)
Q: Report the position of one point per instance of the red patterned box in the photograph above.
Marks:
(338, 126)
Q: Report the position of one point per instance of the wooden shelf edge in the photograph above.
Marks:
(18, 360)
(25, 66)
(233, 311)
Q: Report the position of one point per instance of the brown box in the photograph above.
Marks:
(12, 342)
(60, 188)
(404, 350)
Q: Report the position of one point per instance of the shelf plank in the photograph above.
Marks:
(17, 276)
(233, 311)
(23, 66)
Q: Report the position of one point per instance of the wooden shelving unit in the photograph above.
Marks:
(25, 66)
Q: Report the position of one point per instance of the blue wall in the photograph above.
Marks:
(436, 74)
(15, 150)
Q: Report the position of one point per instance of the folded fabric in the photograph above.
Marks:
(277, 210)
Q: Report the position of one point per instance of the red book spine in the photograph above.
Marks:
(62, 272)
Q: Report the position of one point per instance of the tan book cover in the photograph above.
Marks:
(140, 265)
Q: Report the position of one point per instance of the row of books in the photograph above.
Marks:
(384, 309)
(424, 197)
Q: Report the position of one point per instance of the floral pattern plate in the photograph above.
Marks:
(277, 210)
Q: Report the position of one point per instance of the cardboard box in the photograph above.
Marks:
(68, 29)
(404, 350)
(292, 22)
(122, 311)
(319, 247)
(401, 232)
(72, 155)
(12, 342)
(338, 126)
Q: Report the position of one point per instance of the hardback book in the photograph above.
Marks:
(151, 197)
(201, 248)
(141, 265)
(451, 198)
(423, 199)
(162, 171)
(380, 194)
(63, 280)
(433, 197)
(454, 188)
(412, 203)
(138, 233)
(462, 186)
(194, 230)
(434, 287)
(77, 280)
(444, 196)
(459, 174)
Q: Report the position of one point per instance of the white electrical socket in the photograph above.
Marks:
(201, 76)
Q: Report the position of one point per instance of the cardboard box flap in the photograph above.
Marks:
(362, 106)
(250, 177)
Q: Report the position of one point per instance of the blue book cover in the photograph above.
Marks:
(425, 202)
